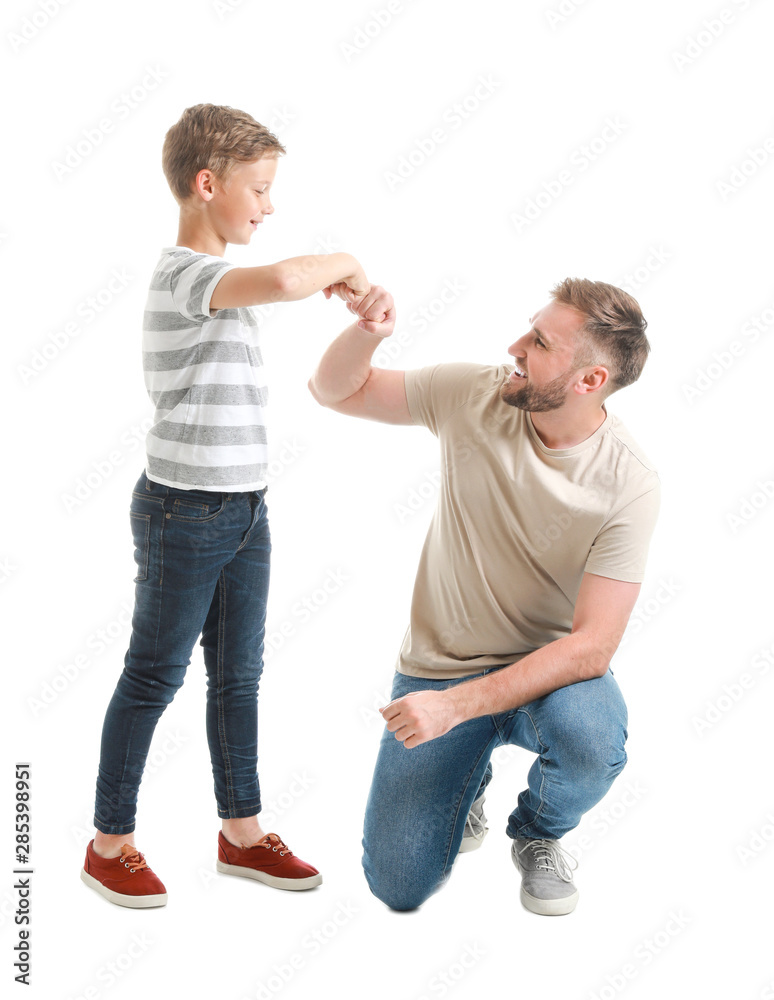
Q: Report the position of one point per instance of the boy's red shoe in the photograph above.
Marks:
(270, 861)
(126, 880)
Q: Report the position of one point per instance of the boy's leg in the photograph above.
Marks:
(182, 539)
(579, 732)
(232, 639)
(419, 802)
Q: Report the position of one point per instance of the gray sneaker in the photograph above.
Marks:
(475, 827)
(546, 876)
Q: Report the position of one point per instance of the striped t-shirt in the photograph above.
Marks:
(204, 374)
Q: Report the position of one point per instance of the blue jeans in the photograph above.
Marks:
(202, 569)
(420, 798)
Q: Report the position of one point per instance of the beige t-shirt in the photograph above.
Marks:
(516, 524)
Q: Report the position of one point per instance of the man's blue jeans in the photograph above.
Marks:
(420, 798)
(202, 569)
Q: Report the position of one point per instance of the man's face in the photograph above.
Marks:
(546, 355)
(243, 200)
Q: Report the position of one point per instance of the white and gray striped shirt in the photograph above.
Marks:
(204, 374)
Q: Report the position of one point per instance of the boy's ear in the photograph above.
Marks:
(204, 184)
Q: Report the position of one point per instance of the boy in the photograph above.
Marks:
(198, 511)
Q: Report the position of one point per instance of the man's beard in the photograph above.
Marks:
(537, 400)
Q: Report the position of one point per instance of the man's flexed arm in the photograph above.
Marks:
(344, 379)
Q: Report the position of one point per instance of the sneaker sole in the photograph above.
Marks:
(273, 880)
(135, 902)
(471, 844)
(549, 907)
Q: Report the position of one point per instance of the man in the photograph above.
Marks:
(530, 570)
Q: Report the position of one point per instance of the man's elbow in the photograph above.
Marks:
(320, 396)
(596, 656)
(311, 386)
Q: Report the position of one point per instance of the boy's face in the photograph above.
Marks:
(238, 207)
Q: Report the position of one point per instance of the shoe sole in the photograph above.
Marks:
(135, 902)
(273, 880)
(471, 844)
(549, 907)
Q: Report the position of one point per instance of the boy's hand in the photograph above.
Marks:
(376, 310)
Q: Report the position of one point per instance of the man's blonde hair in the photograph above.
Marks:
(613, 333)
(213, 137)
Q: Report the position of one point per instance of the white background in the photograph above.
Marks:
(669, 841)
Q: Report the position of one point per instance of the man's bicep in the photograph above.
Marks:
(381, 397)
(602, 611)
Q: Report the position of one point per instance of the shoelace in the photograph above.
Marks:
(274, 842)
(550, 856)
(135, 861)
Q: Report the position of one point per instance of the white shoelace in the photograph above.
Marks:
(550, 856)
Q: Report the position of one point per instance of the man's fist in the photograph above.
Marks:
(376, 308)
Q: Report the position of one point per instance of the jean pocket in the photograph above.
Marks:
(194, 505)
(141, 536)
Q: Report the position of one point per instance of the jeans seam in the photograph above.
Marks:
(453, 826)
(221, 711)
(543, 748)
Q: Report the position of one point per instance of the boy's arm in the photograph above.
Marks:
(288, 280)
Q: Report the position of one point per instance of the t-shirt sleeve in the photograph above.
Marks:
(192, 282)
(435, 392)
(620, 550)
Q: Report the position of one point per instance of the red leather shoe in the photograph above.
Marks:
(270, 861)
(127, 880)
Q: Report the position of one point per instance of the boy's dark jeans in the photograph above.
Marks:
(202, 568)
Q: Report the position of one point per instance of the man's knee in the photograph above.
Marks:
(398, 884)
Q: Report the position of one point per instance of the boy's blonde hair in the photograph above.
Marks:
(613, 333)
(213, 137)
